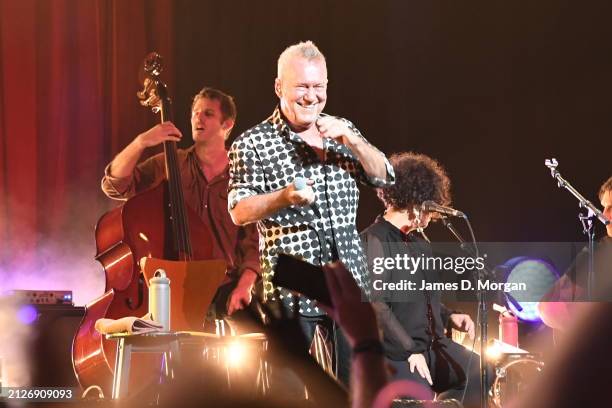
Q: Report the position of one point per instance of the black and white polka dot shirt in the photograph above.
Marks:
(267, 158)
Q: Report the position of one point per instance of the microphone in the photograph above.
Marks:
(300, 183)
(431, 206)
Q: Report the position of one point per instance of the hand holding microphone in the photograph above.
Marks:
(300, 192)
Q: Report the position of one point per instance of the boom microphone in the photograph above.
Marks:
(431, 206)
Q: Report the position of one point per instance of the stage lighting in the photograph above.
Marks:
(27, 314)
(493, 352)
(235, 353)
(539, 275)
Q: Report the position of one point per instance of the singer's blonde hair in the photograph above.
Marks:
(304, 49)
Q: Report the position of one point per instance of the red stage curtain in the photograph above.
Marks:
(68, 83)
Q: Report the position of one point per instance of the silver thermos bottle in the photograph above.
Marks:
(159, 299)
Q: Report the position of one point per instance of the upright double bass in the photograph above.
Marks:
(153, 224)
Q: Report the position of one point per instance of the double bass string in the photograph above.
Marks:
(178, 210)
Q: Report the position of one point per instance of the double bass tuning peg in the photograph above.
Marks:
(148, 95)
(153, 64)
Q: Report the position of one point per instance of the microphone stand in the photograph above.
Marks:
(482, 306)
(489, 271)
(586, 220)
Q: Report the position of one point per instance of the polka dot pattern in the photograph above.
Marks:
(268, 157)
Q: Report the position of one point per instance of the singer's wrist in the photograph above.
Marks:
(351, 140)
(287, 196)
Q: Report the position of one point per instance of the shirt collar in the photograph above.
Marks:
(279, 123)
(411, 236)
(224, 175)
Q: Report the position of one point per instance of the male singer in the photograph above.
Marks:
(314, 221)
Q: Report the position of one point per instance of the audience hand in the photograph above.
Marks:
(349, 310)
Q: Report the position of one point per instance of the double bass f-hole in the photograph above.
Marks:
(141, 288)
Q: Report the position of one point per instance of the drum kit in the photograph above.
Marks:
(515, 368)
(239, 359)
(236, 362)
(514, 373)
